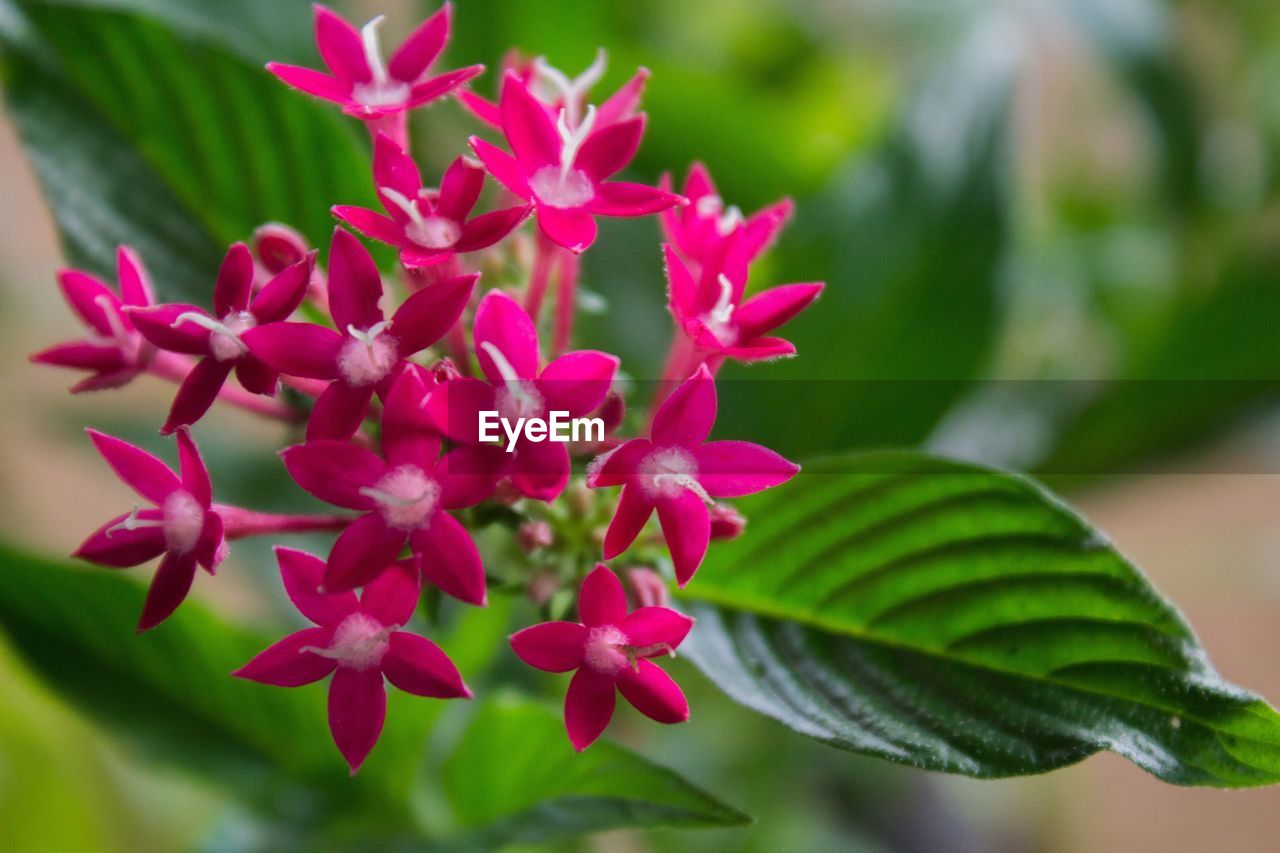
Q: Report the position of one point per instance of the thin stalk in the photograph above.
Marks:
(242, 523)
(566, 302)
(540, 276)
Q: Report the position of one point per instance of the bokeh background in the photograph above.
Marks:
(1051, 235)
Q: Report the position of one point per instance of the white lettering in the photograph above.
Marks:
(560, 428)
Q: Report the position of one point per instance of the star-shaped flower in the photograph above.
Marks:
(701, 230)
(609, 648)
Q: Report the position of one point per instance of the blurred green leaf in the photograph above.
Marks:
(956, 618)
(171, 139)
(514, 778)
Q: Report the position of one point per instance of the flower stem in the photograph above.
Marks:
(540, 276)
(175, 368)
(241, 523)
(566, 302)
(682, 359)
(394, 125)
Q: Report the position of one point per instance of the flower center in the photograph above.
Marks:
(430, 232)
(605, 651)
(381, 91)
(517, 398)
(719, 320)
(369, 356)
(183, 521)
(360, 642)
(406, 496)
(224, 342)
(668, 471)
(128, 342)
(557, 187)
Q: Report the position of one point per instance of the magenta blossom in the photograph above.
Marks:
(364, 85)
(404, 495)
(700, 230)
(609, 648)
(711, 312)
(113, 351)
(183, 526)
(506, 343)
(192, 330)
(562, 166)
(369, 351)
(428, 226)
(678, 474)
(357, 640)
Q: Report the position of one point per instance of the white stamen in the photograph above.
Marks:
(732, 219)
(431, 232)
(381, 91)
(574, 91)
(389, 499)
(520, 400)
(683, 481)
(571, 139)
(722, 313)
(119, 335)
(373, 51)
(222, 353)
(369, 337)
(133, 522)
(360, 642)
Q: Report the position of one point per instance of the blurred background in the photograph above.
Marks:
(1051, 235)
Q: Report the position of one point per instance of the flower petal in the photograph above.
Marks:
(686, 524)
(503, 323)
(687, 416)
(459, 189)
(418, 666)
(577, 382)
(425, 316)
(551, 646)
(282, 295)
(449, 559)
(340, 46)
(168, 589)
(375, 225)
(469, 474)
(393, 596)
(502, 166)
(442, 84)
(197, 393)
(255, 376)
(653, 693)
(622, 198)
(616, 467)
(315, 83)
(285, 664)
(363, 551)
(91, 300)
(135, 284)
(575, 229)
(116, 547)
(588, 707)
(602, 600)
(761, 349)
(408, 438)
(527, 127)
(210, 547)
(420, 49)
(195, 476)
(731, 469)
(357, 710)
(354, 284)
(623, 103)
(482, 108)
(297, 349)
(651, 626)
(766, 311)
(454, 408)
(303, 575)
(83, 356)
(339, 411)
(235, 281)
(394, 169)
(334, 471)
(141, 471)
(485, 230)
(611, 148)
(634, 509)
(160, 326)
(682, 289)
(541, 470)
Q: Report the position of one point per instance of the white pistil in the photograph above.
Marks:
(381, 90)
(636, 653)
(571, 138)
(722, 313)
(520, 395)
(574, 91)
(430, 232)
(373, 51)
(133, 522)
(369, 337)
(663, 482)
(222, 353)
(119, 335)
(731, 219)
(386, 498)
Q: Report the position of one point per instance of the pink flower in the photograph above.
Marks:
(562, 166)
(711, 311)
(506, 343)
(183, 526)
(361, 82)
(113, 351)
(609, 648)
(700, 230)
(369, 351)
(192, 330)
(357, 640)
(679, 475)
(428, 226)
(404, 495)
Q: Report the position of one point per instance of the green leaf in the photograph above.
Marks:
(176, 141)
(956, 618)
(515, 778)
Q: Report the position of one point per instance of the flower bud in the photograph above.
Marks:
(727, 522)
(645, 588)
(505, 494)
(542, 587)
(278, 246)
(534, 535)
(444, 371)
(612, 411)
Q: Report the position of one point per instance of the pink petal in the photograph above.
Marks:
(339, 412)
(502, 322)
(459, 189)
(315, 83)
(766, 311)
(434, 87)
(197, 393)
(623, 103)
(686, 524)
(255, 376)
(622, 198)
(407, 435)
(617, 466)
(698, 183)
(420, 49)
(541, 470)
(682, 290)
(335, 471)
(282, 295)
(450, 560)
(382, 228)
(363, 551)
(761, 229)
(82, 356)
(418, 666)
(393, 596)
(169, 588)
(634, 509)
(454, 408)
(577, 382)
(502, 166)
(340, 46)
(653, 693)
(195, 476)
(297, 349)
(357, 710)
(92, 300)
(104, 381)
(687, 416)
(651, 626)
(160, 326)
(602, 600)
(731, 469)
(425, 316)
(141, 471)
(588, 707)
(135, 284)
(285, 664)
(235, 281)
(469, 474)
(611, 148)
(761, 349)
(551, 646)
(482, 108)
(394, 169)
(354, 284)
(119, 548)
(209, 548)
(528, 128)
(303, 575)
(574, 229)
(484, 231)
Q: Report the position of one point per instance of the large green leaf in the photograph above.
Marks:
(961, 619)
(176, 141)
(515, 778)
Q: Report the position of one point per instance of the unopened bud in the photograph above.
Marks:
(506, 494)
(534, 535)
(278, 246)
(541, 587)
(645, 588)
(727, 522)
(612, 411)
(445, 370)
(580, 497)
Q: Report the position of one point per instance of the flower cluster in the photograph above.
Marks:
(385, 383)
